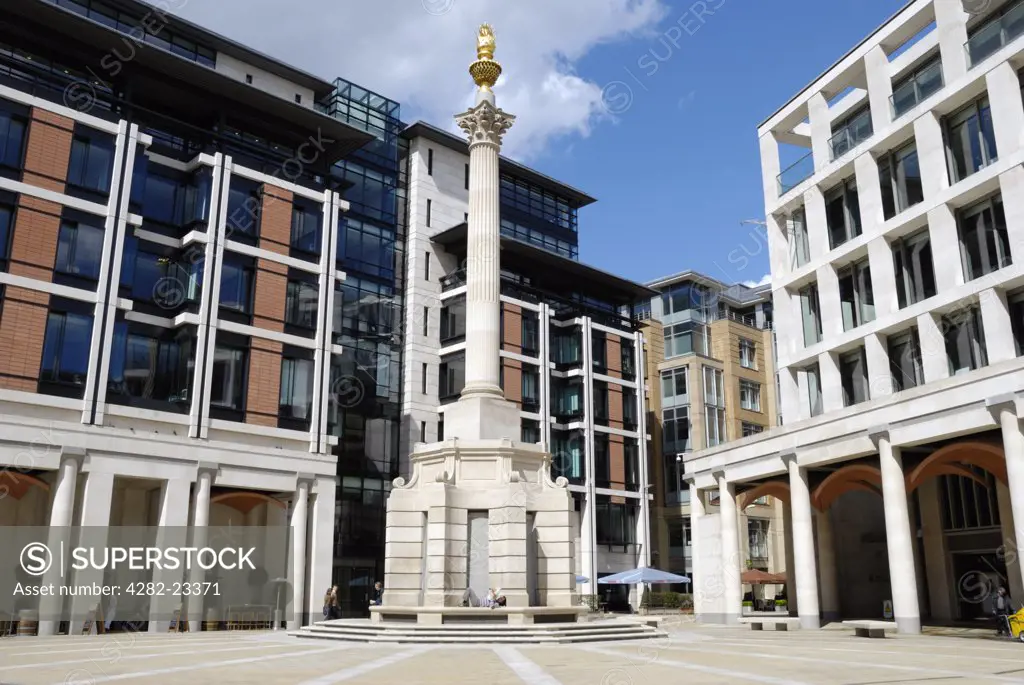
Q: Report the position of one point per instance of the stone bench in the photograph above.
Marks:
(870, 628)
(513, 616)
(776, 623)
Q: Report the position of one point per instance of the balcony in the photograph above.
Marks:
(453, 280)
(850, 136)
(993, 35)
(796, 173)
(924, 83)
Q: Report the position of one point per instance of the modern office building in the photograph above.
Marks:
(896, 248)
(200, 269)
(570, 359)
(709, 353)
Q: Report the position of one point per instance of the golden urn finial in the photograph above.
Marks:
(485, 71)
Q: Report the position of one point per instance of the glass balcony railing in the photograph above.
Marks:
(850, 136)
(994, 34)
(796, 173)
(910, 94)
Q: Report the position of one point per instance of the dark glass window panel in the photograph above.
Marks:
(301, 304)
(236, 287)
(230, 368)
(306, 222)
(12, 140)
(79, 250)
(296, 394)
(92, 162)
(66, 348)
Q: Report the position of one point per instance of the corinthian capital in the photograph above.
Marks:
(485, 124)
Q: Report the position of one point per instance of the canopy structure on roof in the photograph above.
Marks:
(650, 576)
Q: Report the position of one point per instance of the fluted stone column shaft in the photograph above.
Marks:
(200, 523)
(696, 514)
(483, 313)
(1013, 448)
(902, 573)
(300, 510)
(61, 516)
(803, 547)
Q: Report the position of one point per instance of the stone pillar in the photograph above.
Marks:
(95, 521)
(321, 554)
(876, 67)
(730, 550)
(1013, 448)
(827, 568)
(951, 25)
(172, 531)
(803, 546)
(902, 572)
(934, 361)
(793, 606)
(821, 130)
(200, 523)
(995, 319)
(1004, 94)
(1009, 550)
(588, 544)
(696, 514)
(879, 371)
(300, 507)
(61, 519)
(556, 581)
(831, 382)
(507, 554)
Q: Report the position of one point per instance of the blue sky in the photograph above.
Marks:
(675, 171)
(680, 169)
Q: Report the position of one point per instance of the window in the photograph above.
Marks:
(567, 399)
(244, 204)
(236, 286)
(686, 298)
(676, 430)
(151, 367)
(984, 244)
(79, 250)
(92, 161)
(296, 396)
(426, 266)
(168, 197)
(440, 429)
(905, 360)
(674, 387)
(248, 79)
(916, 86)
(567, 455)
(430, 205)
(970, 140)
(628, 354)
(601, 402)
(965, 340)
(522, 197)
(899, 173)
(757, 534)
(750, 395)
(453, 321)
(850, 131)
(531, 390)
(230, 367)
(749, 429)
(66, 348)
(566, 346)
(714, 407)
(426, 321)
(1006, 24)
(748, 354)
(853, 373)
(915, 275)
(298, 98)
(6, 217)
(629, 408)
(451, 377)
(366, 248)
(811, 314)
(799, 245)
(842, 213)
(467, 179)
(423, 379)
(686, 338)
(423, 431)
(306, 222)
(301, 304)
(1015, 301)
(856, 296)
(12, 139)
(599, 350)
(813, 375)
(530, 333)
(430, 163)
(616, 521)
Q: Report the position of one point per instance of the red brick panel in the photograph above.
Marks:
(615, 415)
(513, 325)
(276, 220)
(512, 371)
(617, 461)
(34, 243)
(48, 150)
(22, 329)
(271, 291)
(263, 394)
(614, 355)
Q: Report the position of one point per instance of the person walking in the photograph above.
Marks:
(1001, 609)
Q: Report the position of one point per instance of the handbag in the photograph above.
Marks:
(327, 610)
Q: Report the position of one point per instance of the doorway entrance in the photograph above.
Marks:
(355, 588)
(978, 576)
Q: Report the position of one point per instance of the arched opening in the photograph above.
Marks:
(768, 553)
(24, 499)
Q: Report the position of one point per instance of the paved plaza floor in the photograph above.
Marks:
(690, 655)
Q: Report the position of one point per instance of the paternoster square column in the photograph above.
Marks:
(482, 411)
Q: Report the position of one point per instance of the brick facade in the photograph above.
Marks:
(512, 328)
(276, 220)
(271, 291)
(22, 329)
(614, 356)
(512, 373)
(48, 150)
(617, 465)
(263, 392)
(34, 241)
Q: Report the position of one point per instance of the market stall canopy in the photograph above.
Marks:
(758, 577)
(651, 576)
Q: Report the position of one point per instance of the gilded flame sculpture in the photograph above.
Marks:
(485, 71)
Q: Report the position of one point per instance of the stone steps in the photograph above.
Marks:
(553, 633)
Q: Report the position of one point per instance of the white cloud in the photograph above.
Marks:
(765, 280)
(420, 58)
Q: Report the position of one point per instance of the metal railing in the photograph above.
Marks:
(849, 137)
(911, 93)
(796, 173)
(992, 36)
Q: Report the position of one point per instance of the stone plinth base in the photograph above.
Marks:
(483, 418)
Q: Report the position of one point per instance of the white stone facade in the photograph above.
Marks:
(851, 397)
